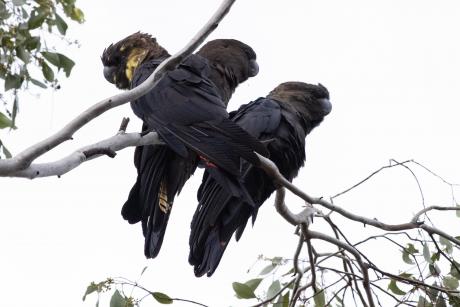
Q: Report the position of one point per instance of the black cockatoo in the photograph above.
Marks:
(283, 120)
(188, 110)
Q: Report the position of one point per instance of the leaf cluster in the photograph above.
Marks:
(25, 58)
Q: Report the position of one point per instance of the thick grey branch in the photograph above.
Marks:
(441, 208)
(24, 159)
(105, 147)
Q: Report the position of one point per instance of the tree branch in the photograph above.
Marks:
(66, 164)
(272, 170)
(24, 159)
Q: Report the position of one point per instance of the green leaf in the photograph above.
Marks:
(60, 61)
(5, 122)
(15, 109)
(91, 288)
(435, 257)
(394, 288)
(19, 2)
(47, 72)
(450, 282)
(273, 290)
(454, 269)
(283, 301)
(37, 83)
(118, 300)
(243, 291)
(61, 25)
(52, 57)
(66, 64)
(411, 249)
(4, 13)
(77, 15)
(23, 54)
(13, 82)
(36, 19)
(267, 269)
(320, 299)
(162, 298)
(426, 253)
(6, 152)
(407, 257)
(253, 283)
(447, 244)
(33, 43)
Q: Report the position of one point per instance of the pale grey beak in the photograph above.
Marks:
(108, 73)
(253, 68)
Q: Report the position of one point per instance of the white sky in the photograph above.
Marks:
(392, 68)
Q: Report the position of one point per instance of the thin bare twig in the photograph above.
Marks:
(272, 170)
(355, 253)
(370, 176)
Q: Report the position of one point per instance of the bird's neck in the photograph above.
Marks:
(225, 80)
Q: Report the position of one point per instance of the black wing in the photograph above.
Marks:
(221, 210)
(186, 110)
(161, 174)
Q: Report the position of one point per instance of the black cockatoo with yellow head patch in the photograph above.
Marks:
(187, 109)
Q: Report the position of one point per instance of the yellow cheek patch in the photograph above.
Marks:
(136, 56)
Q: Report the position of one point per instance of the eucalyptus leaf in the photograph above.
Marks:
(36, 19)
(66, 64)
(61, 24)
(38, 83)
(90, 289)
(253, 283)
(13, 82)
(19, 2)
(394, 288)
(426, 253)
(23, 54)
(454, 269)
(267, 269)
(162, 298)
(243, 291)
(118, 300)
(450, 282)
(52, 57)
(273, 290)
(47, 72)
(407, 257)
(6, 152)
(320, 299)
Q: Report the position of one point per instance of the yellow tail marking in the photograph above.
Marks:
(165, 206)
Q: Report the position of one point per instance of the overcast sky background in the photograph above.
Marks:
(392, 68)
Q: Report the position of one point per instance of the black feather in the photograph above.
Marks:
(224, 207)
